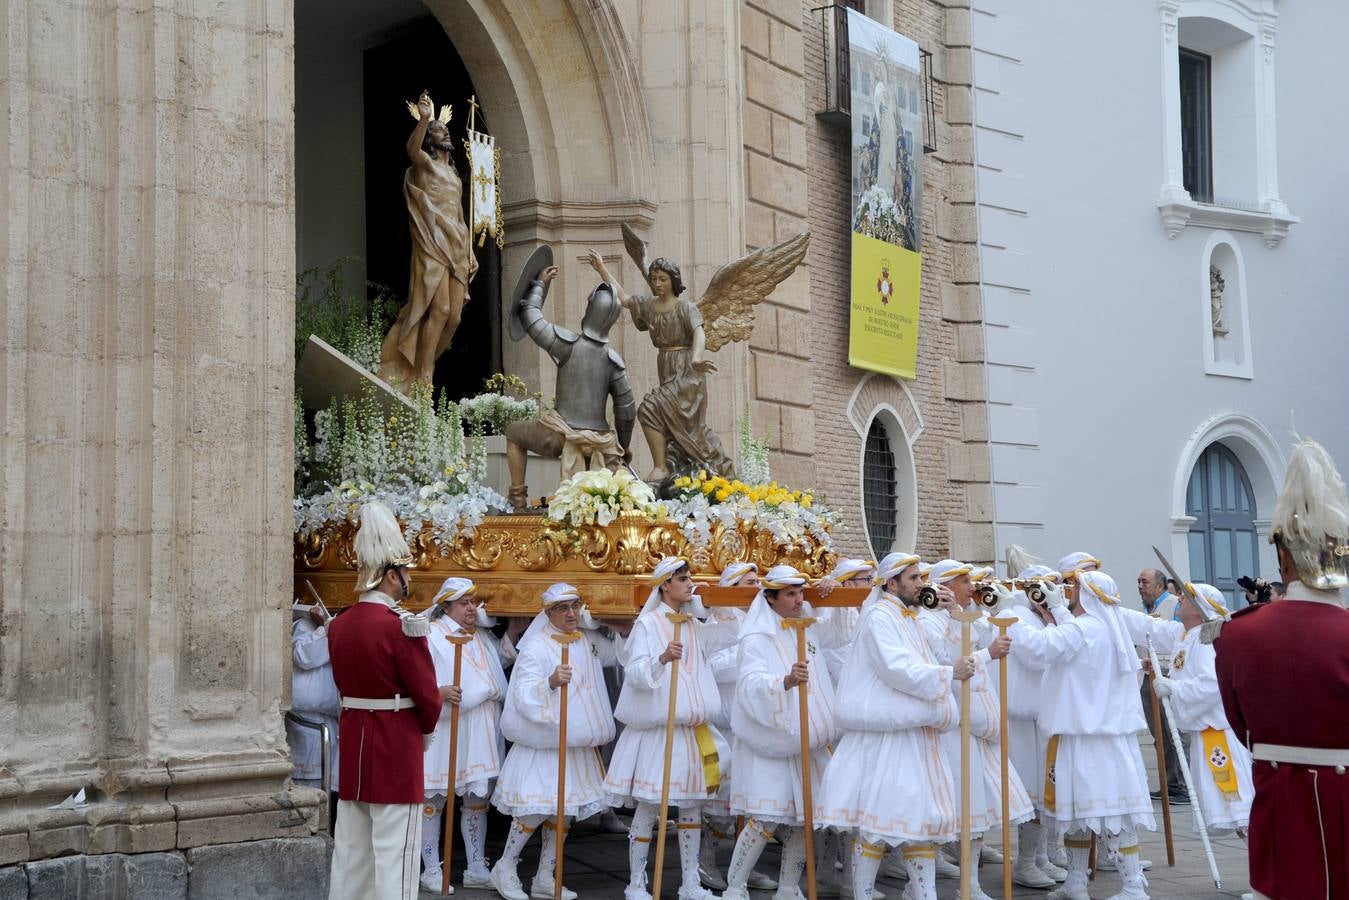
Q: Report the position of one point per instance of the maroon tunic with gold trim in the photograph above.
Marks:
(1283, 670)
(381, 751)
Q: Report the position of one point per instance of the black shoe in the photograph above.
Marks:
(1180, 799)
(1156, 795)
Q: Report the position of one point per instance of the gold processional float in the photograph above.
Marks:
(513, 558)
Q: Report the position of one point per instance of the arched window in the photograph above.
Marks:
(879, 501)
(1222, 539)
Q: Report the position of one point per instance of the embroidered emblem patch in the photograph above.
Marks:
(1179, 663)
(1217, 758)
(883, 286)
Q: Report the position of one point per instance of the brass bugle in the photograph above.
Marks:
(927, 596)
(984, 593)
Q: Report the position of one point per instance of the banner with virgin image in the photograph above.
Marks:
(887, 198)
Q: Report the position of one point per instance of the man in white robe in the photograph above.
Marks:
(955, 587)
(1220, 764)
(888, 779)
(1094, 776)
(1026, 740)
(769, 783)
(700, 752)
(481, 690)
(718, 823)
(527, 786)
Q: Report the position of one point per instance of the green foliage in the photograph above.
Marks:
(326, 306)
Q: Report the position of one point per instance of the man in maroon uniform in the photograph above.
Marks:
(1283, 670)
(390, 705)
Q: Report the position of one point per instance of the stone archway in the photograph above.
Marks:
(1261, 458)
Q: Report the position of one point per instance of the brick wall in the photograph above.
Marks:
(798, 175)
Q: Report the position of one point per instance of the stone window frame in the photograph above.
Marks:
(1236, 361)
(1268, 216)
(1262, 458)
(883, 397)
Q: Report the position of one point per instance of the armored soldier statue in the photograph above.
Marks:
(589, 372)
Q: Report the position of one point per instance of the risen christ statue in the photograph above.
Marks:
(442, 256)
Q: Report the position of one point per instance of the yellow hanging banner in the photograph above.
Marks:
(887, 198)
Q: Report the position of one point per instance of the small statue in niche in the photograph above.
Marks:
(1216, 283)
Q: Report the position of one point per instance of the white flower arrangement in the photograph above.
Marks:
(793, 518)
(449, 508)
(498, 410)
(878, 216)
(598, 497)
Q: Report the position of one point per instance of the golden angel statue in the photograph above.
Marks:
(673, 415)
(442, 255)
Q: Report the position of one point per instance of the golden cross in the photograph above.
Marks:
(472, 111)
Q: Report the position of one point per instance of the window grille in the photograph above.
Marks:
(879, 502)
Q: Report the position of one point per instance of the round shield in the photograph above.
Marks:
(540, 259)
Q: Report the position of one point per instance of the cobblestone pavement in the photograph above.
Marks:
(597, 863)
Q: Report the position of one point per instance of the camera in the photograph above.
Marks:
(1261, 589)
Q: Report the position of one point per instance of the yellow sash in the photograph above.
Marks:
(1219, 758)
(707, 747)
(1051, 754)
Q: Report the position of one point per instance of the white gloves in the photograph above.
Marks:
(1004, 596)
(1054, 597)
(426, 741)
(1161, 685)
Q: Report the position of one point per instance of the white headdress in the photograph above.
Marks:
(736, 571)
(379, 545)
(852, 568)
(761, 619)
(890, 565)
(451, 589)
(666, 569)
(1311, 518)
(979, 573)
(1034, 572)
(1210, 603)
(948, 570)
(556, 593)
(1099, 596)
(1074, 562)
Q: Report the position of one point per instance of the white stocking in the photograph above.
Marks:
(548, 852)
(690, 830)
(1078, 846)
(431, 832)
(748, 846)
(521, 829)
(473, 829)
(1128, 860)
(866, 861)
(793, 860)
(921, 862)
(639, 843)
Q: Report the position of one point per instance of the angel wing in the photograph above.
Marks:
(636, 248)
(737, 287)
(446, 113)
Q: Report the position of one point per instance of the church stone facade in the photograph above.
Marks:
(149, 264)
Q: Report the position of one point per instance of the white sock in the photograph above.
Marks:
(690, 830)
(866, 861)
(473, 829)
(920, 861)
(521, 829)
(639, 843)
(748, 847)
(1128, 860)
(793, 859)
(431, 833)
(548, 851)
(1078, 846)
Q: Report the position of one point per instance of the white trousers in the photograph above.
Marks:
(375, 852)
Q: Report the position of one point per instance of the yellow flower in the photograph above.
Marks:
(723, 494)
(805, 501)
(702, 474)
(709, 488)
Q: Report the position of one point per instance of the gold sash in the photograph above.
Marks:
(1219, 758)
(1051, 754)
(707, 747)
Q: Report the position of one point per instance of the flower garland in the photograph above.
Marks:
(792, 517)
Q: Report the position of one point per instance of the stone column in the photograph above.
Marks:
(145, 544)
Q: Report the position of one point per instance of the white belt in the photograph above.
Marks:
(391, 704)
(1301, 756)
